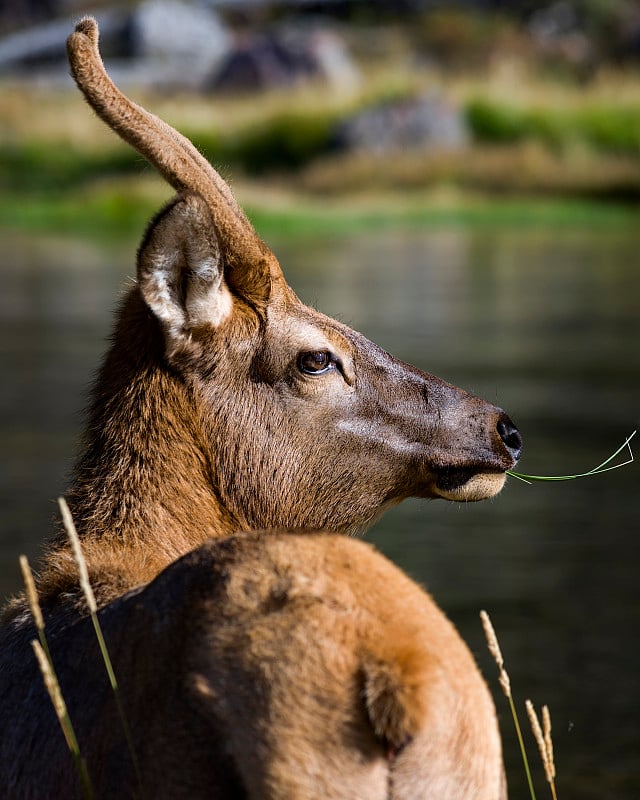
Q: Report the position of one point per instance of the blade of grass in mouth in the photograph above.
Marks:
(606, 466)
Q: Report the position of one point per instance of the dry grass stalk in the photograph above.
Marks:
(537, 733)
(543, 740)
(494, 649)
(45, 662)
(492, 639)
(55, 693)
(34, 605)
(548, 741)
(32, 595)
(505, 683)
(85, 584)
(77, 554)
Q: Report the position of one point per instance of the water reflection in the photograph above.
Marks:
(543, 322)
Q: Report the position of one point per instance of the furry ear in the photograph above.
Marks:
(181, 271)
(395, 694)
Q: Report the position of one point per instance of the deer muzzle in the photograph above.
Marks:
(466, 444)
(479, 471)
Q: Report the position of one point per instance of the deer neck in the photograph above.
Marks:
(143, 491)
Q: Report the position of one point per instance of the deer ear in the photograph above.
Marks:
(181, 271)
(395, 694)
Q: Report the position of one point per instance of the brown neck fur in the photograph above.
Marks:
(142, 499)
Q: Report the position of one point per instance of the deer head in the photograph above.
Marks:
(226, 404)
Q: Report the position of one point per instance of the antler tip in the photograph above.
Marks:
(88, 26)
(82, 46)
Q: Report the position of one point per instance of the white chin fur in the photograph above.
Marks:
(479, 487)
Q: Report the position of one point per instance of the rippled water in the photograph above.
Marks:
(545, 322)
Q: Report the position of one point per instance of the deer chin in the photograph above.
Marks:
(463, 486)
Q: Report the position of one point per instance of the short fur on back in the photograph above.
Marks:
(267, 666)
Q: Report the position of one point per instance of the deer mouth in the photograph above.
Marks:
(484, 477)
(468, 484)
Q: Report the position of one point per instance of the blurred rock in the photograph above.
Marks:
(186, 38)
(427, 121)
(160, 43)
(559, 36)
(17, 14)
(45, 43)
(285, 57)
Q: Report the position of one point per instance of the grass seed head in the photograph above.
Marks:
(32, 594)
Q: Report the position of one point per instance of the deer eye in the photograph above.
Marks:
(315, 362)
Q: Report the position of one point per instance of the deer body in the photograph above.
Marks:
(281, 666)
(226, 406)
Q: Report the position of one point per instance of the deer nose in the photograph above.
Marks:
(510, 436)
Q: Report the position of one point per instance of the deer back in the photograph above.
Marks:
(266, 667)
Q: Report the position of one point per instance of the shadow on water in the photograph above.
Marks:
(544, 322)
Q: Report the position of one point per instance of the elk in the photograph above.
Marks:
(233, 433)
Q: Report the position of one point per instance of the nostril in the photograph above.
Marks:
(510, 435)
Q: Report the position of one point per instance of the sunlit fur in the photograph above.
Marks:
(261, 667)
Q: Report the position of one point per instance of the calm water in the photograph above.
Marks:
(544, 322)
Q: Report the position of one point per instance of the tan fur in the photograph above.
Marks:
(175, 157)
(314, 668)
(265, 667)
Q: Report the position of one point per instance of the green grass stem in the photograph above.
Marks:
(505, 684)
(595, 471)
(523, 751)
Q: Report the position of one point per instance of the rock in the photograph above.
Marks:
(284, 57)
(429, 120)
(161, 43)
(188, 37)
